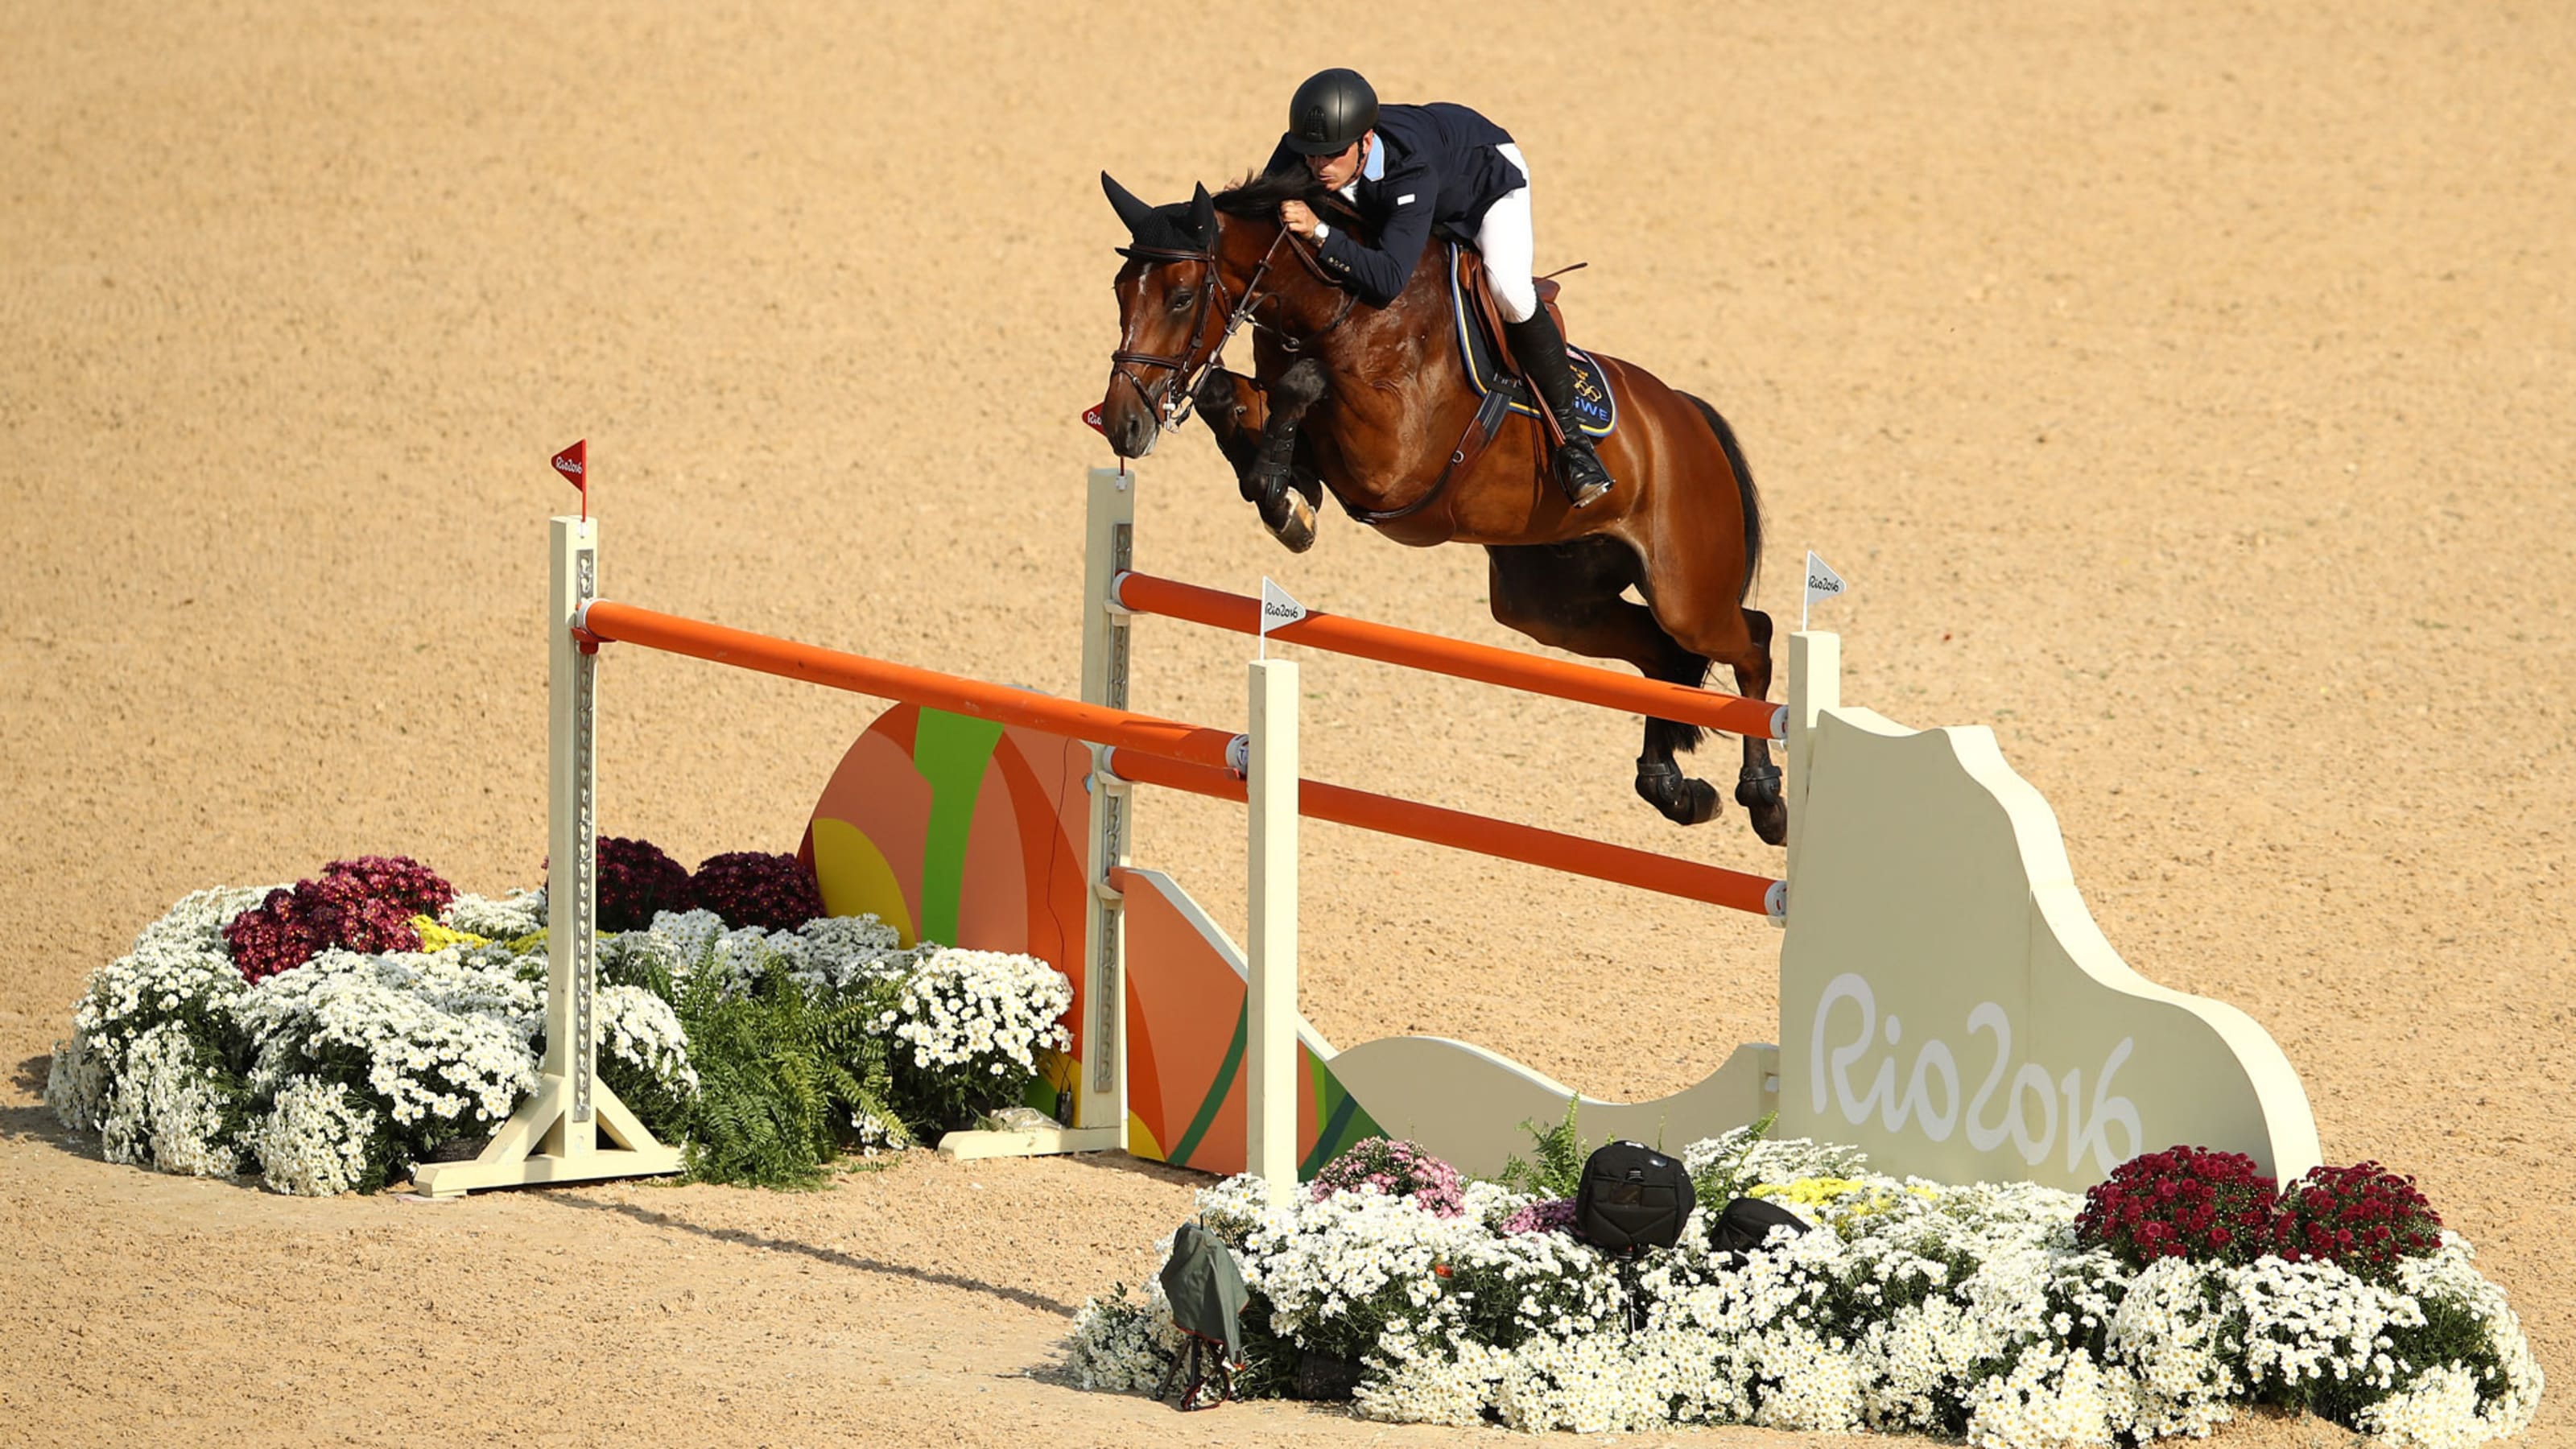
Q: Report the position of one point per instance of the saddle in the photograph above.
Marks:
(1467, 266)
(1496, 376)
(1489, 364)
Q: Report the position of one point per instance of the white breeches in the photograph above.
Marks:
(1503, 238)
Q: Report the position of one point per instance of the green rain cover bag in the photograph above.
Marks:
(1207, 1295)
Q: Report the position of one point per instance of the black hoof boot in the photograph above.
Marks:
(1684, 801)
(1272, 462)
(1758, 791)
(1271, 485)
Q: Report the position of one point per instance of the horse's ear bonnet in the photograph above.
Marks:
(1202, 219)
(1180, 227)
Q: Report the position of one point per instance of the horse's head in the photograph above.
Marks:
(1171, 314)
(1195, 272)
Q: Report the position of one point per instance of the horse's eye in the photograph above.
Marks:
(1182, 297)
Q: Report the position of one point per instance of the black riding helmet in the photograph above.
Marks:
(1330, 111)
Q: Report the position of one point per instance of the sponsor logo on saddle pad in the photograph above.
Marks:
(1481, 354)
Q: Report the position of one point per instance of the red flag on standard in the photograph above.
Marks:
(574, 464)
(1091, 419)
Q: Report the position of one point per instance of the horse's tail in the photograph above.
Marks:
(1744, 492)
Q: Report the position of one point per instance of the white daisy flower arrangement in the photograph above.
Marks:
(1964, 1311)
(334, 1074)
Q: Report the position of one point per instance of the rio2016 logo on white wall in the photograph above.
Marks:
(1948, 1004)
(2024, 1112)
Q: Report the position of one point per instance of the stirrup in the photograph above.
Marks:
(1581, 473)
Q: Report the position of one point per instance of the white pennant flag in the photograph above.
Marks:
(1822, 583)
(1277, 609)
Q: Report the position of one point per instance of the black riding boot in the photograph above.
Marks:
(1540, 350)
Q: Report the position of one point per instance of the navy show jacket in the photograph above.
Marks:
(1441, 166)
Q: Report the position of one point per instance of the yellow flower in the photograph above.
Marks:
(1840, 1201)
(435, 937)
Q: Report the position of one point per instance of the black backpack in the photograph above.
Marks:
(1632, 1198)
(1741, 1229)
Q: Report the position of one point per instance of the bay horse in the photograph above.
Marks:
(1381, 403)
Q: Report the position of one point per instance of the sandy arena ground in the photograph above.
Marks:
(2184, 388)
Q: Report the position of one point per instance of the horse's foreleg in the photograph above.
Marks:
(1287, 509)
(1234, 410)
(1699, 552)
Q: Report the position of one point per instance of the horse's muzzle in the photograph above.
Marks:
(1129, 422)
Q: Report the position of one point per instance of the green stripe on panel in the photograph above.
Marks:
(950, 751)
(1206, 1115)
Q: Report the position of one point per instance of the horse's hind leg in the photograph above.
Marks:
(1567, 596)
(1700, 555)
(1757, 789)
(1740, 638)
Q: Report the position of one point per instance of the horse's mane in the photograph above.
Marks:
(1258, 195)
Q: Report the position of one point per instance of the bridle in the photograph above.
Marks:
(1190, 366)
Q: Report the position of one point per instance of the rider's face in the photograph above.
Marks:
(1336, 171)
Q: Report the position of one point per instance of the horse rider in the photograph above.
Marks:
(1406, 169)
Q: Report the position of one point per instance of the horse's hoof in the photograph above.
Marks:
(1296, 526)
(1683, 801)
(1771, 822)
(1701, 806)
(1758, 791)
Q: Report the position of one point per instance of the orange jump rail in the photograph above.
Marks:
(1218, 750)
(1147, 594)
(1480, 834)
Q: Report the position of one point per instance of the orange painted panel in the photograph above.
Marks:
(877, 792)
(1187, 1000)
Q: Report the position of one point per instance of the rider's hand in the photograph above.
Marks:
(1295, 216)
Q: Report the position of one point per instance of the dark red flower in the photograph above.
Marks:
(2363, 1217)
(2174, 1204)
(636, 881)
(364, 904)
(753, 888)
